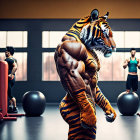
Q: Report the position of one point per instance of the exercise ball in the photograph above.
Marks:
(128, 103)
(34, 103)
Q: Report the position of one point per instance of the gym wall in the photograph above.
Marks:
(41, 9)
(35, 16)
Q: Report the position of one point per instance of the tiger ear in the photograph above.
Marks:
(94, 15)
(106, 16)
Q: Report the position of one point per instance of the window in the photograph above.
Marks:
(118, 71)
(49, 68)
(118, 37)
(17, 39)
(13, 38)
(132, 39)
(127, 39)
(2, 56)
(111, 68)
(52, 38)
(105, 73)
(21, 73)
(3, 39)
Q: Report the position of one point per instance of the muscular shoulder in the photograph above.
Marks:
(127, 59)
(138, 59)
(82, 22)
(75, 49)
(15, 60)
(11, 60)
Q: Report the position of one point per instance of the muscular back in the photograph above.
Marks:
(73, 59)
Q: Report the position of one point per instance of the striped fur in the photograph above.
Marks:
(94, 31)
(76, 29)
(70, 112)
(78, 108)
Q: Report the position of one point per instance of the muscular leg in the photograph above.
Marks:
(135, 83)
(10, 86)
(71, 114)
(128, 84)
(13, 101)
(10, 91)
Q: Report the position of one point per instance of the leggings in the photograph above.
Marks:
(10, 85)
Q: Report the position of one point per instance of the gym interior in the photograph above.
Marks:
(34, 29)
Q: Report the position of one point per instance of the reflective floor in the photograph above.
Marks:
(50, 126)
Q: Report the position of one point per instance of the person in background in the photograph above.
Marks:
(132, 79)
(12, 63)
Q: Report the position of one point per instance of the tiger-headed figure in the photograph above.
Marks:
(77, 65)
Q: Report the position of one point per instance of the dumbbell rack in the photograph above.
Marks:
(3, 94)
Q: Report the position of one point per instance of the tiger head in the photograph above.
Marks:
(97, 34)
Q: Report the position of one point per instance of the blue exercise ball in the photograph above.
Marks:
(128, 103)
(34, 103)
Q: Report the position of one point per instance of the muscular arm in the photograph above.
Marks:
(14, 68)
(11, 76)
(76, 86)
(78, 51)
(103, 103)
(138, 65)
(125, 64)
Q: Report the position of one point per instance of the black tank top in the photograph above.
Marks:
(10, 61)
